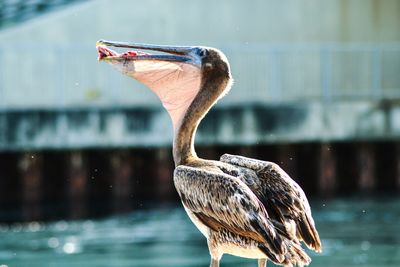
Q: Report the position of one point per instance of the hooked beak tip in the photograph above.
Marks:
(100, 43)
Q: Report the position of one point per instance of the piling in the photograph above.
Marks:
(77, 186)
(163, 172)
(247, 151)
(366, 166)
(31, 177)
(121, 175)
(327, 170)
(208, 152)
(397, 166)
(286, 156)
(98, 182)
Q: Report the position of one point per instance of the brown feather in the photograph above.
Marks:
(221, 201)
(281, 196)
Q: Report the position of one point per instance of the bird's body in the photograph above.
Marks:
(244, 207)
(247, 208)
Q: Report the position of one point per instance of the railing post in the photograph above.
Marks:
(376, 73)
(2, 93)
(275, 75)
(61, 84)
(326, 74)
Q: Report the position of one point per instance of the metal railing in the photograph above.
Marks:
(321, 72)
(33, 76)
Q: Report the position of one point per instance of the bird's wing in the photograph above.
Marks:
(223, 202)
(282, 197)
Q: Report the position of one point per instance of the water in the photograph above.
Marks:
(354, 233)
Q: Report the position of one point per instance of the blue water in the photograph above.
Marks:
(354, 233)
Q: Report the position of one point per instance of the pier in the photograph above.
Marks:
(75, 131)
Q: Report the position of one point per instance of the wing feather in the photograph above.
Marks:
(223, 202)
(282, 197)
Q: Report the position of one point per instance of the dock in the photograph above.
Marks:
(75, 131)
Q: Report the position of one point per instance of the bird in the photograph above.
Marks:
(245, 207)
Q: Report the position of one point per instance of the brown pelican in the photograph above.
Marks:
(245, 207)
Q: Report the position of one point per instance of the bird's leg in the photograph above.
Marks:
(214, 251)
(214, 263)
(262, 262)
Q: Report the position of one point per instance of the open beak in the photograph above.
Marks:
(169, 53)
(165, 70)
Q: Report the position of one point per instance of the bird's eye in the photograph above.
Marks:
(201, 52)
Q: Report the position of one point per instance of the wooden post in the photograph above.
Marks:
(248, 151)
(208, 152)
(287, 159)
(7, 192)
(121, 174)
(31, 175)
(366, 166)
(327, 170)
(77, 184)
(164, 173)
(397, 166)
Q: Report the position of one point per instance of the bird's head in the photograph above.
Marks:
(176, 74)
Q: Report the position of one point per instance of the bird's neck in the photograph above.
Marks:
(186, 126)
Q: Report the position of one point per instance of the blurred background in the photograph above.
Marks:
(85, 153)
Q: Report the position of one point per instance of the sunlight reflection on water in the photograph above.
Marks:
(354, 233)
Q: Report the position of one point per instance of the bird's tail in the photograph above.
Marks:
(308, 233)
(295, 255)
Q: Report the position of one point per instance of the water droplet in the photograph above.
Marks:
(359, 259)
(61, 225)
(3, 265)
(88, 225)
(17, 228)
(69, 248)
(365, 245)
(34, 226)
(4, 228)
(53, 242)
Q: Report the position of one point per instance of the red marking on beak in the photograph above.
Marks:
(133, 54)
(105, 52)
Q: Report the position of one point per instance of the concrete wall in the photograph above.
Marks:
(235, 125)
